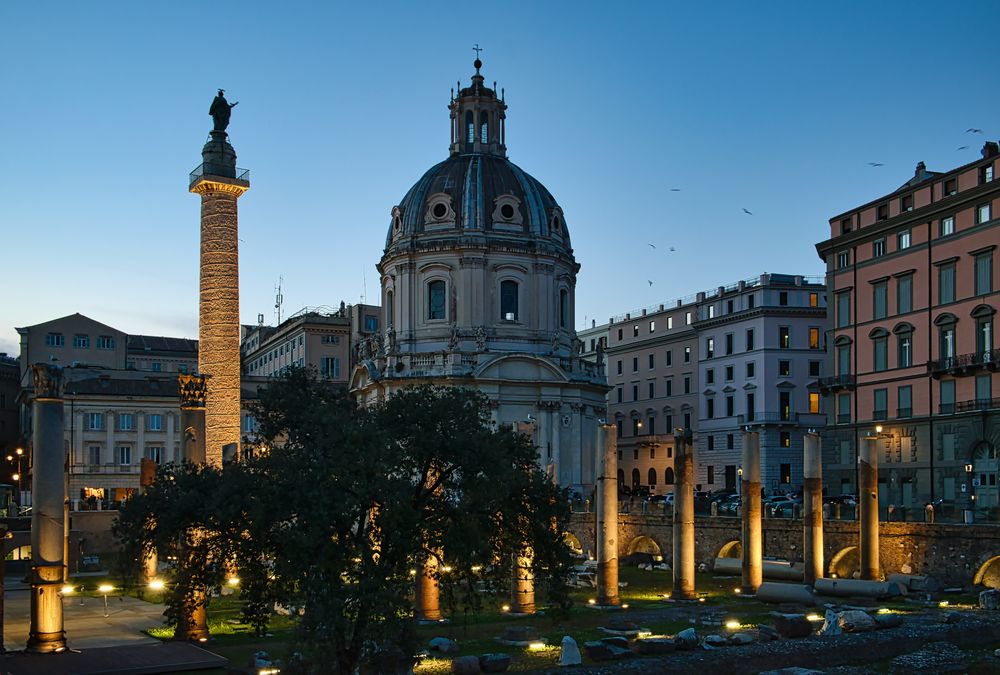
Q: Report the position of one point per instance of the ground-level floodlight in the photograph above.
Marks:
(105, 589)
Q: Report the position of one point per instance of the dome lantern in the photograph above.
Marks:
(477, 119)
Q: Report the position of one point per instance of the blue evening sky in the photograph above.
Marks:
(776, 107)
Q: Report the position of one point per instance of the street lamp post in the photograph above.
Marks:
(105, 589)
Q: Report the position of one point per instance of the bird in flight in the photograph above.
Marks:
(747, 212)
(972, 130)
(963, 147)
(652, 246)
(672, 248)
(675, 189)
(875, 164)
(649, 282)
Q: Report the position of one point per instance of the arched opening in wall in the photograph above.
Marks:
(484, 133)
(435, 300)
(668, 476)
(651, 478)
(508, 300)
(846, 564)
(989, 573)
(636, 478)
(573, 543)
(732, 549)
(563, 308)
(390, 318)
(470, 127)
(646, 546)
(19, 553)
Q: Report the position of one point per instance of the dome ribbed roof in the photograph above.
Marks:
(479, 192)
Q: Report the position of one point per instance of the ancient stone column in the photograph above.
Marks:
(683, 544)
(607, 516)
(427, 592)
(220, 186)
(750, 513)
(812, 508)
(868, 507)
(45, 631)
(522, 597)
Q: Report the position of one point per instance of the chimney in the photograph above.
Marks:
(921, 172)
(990, 149)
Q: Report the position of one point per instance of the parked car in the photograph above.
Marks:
(783, 508)
(845, 500)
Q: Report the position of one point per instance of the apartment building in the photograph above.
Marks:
(746, 354)
(913, 359)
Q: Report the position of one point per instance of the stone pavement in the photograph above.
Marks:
(86, 626)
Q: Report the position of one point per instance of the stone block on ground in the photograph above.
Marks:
(890, 620)
(740, 639)
(714, 640)
(686, 639)
(654, 646)
(937, 657)
(951, 617)
(602, 651)
(855, 621)
(494, 663)
(465, 665)
(520, 633)
(617, 641)
(831, 624)
(619, 623)
(569, 652)
(792, 625)
(443, 645)
(767, 633)
(989, 599)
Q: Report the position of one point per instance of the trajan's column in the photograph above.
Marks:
(220, 184)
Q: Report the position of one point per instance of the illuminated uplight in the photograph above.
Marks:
(203, 639)
(643, 634)
(68, 590)
(505, 608)
(105, 588)
(943, 603)
(446, 568)
(884, 610)
(156, 585)
(737, 590)
(732, 624)
(592, 601)
(233, 581)
(413, 573)
(701, 599)
(625, 606)
(536, 646)
(814, 617)
(476, 568)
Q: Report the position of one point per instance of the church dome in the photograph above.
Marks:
(478, 190)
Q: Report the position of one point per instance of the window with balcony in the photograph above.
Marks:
(904, 346)
(880, 407)
(904, 396)
(984, 329)
(843, 408)
(946, 397)
(785, 405)
(814, 337)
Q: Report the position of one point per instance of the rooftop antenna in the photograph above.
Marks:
(260, 319)
(279, 299)
(364, 287)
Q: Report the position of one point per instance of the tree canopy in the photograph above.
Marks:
(333, 507)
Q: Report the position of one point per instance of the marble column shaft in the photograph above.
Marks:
(868, 507)
(750, 512)
(607, 516)
(683, 534)
(427, 592)
(812, 508)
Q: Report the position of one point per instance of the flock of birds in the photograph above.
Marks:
(970, 130)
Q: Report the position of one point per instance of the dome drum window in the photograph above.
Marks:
(436, 300)
(508, 300)
(507, 213)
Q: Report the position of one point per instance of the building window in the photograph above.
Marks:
(983, 213)
(711, 442)
(785, 405)
(710, 376)
(843, 359)
(784, 337)
(124, 455)
(620, 367)
(843, 309)
(986, 173)
(154, 422)
(508, 300)
(652, 388)
(687, 384)
(814, 368)
(843, 408)
(126, 422)
(946, 396)
(947, 226)
(329, 367)
(814, 402)
(710, 479)
(947, 341)
(635, 364)
(651, 429)
(330, 339)
(670, 322)
(94, 455)
(709, 347)
(711, 311)
(984, 273)
(55, 340)
(784, 368)
(950, 187)
(751, 407)
(668, 356)
(786, 474)
(636, 427)
(845, 225)
(635, 331)
(984, 391)
(881, 404)
(105, 342)
(621, 393)
(729, 373)
(729, 306)
(371, 323)
(470, 127)
(813, 337)
(946, 284)
(156, 366)
(619, 427)
(95, 421)
(729, 343)
(878, 248)
(785, 440)
(730, 441)
(843, 259)
(904, 397)
(619, 334)
(751, 368)
(652, 476)
(814, 299)
(880, 347)
(687, 318)
(783, 298)
(882, 213)
(751, 301)
(730, 406)
(669, 384)
(984, 334)
(652, 326)
(635, 392)
(435, 300)
(155, 453)
(903, 240)
(906, 203)
(880, 300)
(904, 349)
(652, 361)
(81, 341)
(483, 128)
(687, 355)
(904, 294)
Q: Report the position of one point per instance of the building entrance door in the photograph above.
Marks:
(730, 476)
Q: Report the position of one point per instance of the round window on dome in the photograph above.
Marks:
(507, 211)
(555, 223)
(440, 210)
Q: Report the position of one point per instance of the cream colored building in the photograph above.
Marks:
(478, 284)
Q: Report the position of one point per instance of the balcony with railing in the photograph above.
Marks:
(221, 170)
(966, 364)
(835, 382)
(844, 418)
(780, 418)
(978, 404)
(105, 469)
(902, 413)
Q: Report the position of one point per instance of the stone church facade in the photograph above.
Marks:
(478, 282)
